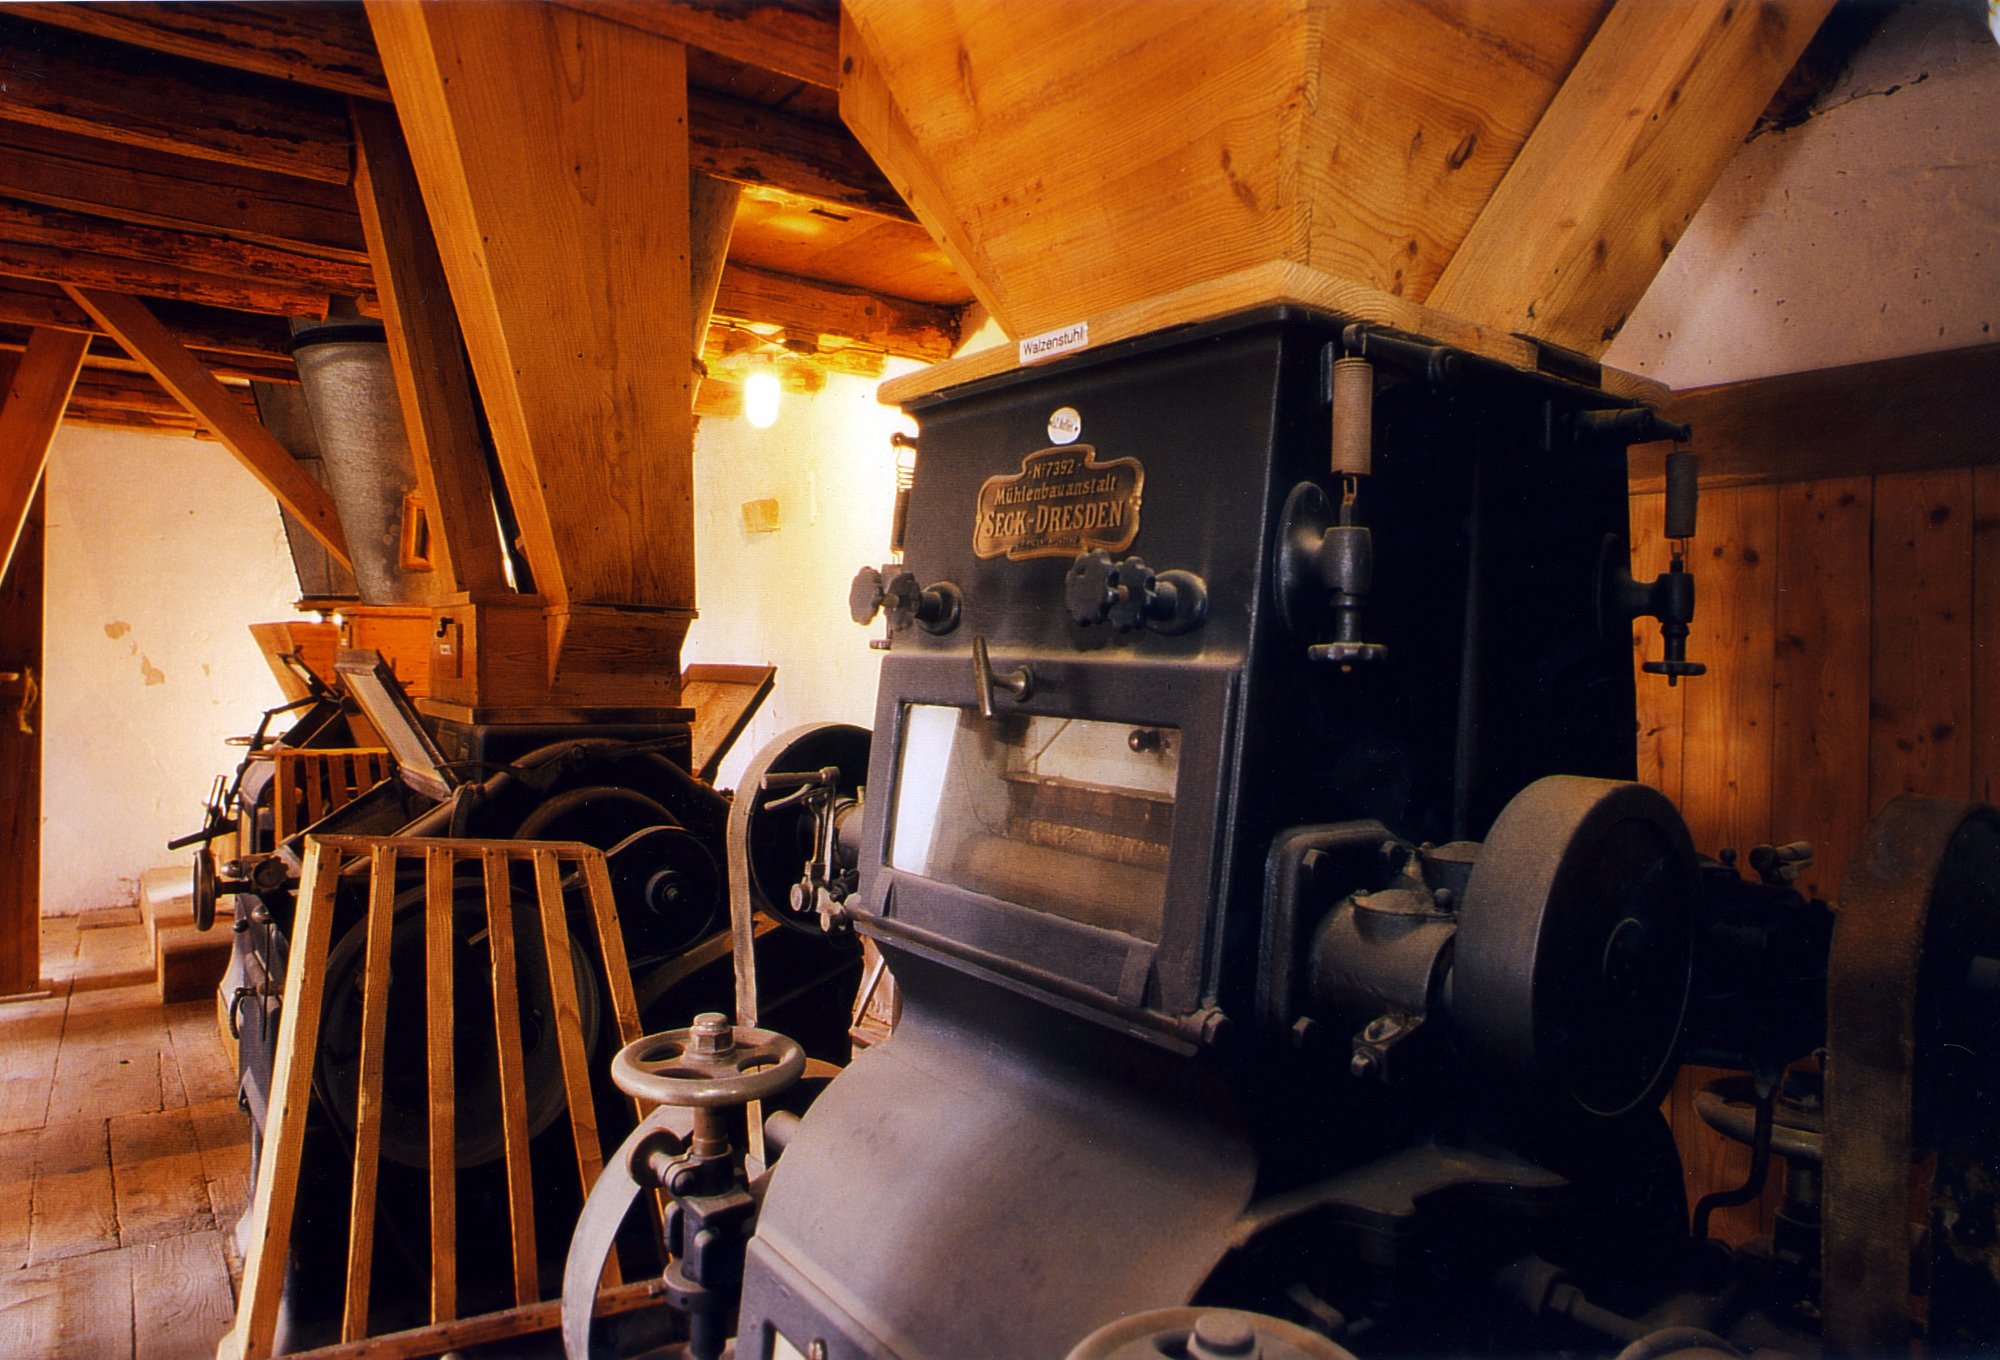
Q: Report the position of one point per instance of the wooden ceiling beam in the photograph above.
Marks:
(328, 47)
(1623, 156)
(734, 139)
(83, 411)
(177, 370)
(800, 40)
(27, 302)
(105, 356)
(35, 224)
(53, 264)
(140, 392)
(110, 179)
(916, 330)
(325, 46)
(72, 83)
(30, 413)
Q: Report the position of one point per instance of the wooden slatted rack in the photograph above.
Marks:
(310, 782)
(291, 1088)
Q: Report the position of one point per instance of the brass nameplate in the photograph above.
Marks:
(1062, 502)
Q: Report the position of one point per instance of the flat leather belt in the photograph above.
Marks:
(1891, 910)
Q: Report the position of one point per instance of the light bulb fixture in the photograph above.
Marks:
(760, 398)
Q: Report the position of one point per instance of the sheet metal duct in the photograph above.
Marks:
(350, 392)
(282, 408)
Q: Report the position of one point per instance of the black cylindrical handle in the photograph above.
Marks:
(1680, 494)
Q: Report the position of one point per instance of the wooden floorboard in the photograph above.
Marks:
(73, 1211)
(67, 1310)
(31, 1037)
(181, 1297)
(156, 1177)
(124, 1160)
(114, 1053)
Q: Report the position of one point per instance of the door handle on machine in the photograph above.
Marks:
(1019, 682)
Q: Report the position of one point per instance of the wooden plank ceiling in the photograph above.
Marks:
(200, 156)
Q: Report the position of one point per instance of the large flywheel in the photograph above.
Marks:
(1575, 944)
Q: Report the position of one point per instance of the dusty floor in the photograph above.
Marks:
(124, 1161)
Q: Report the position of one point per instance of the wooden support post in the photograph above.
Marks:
(1612, 173)
(128, 321)
(440, 408)
(523, 123)
(30, 412)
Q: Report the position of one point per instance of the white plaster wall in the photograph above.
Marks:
(161, 552)
(1870, 231)
(781, 596)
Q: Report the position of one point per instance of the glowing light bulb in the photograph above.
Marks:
(760, 398)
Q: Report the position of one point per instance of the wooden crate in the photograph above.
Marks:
(278, 1178)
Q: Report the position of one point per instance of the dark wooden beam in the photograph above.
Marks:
(131, 184)
(796, 38)
(736, 140)
(1913, 414)
(176, 369)
(916, 330)
(29, 302)
(102, 390)
(30, 413)
(83, 411)
(325, 46)
(34, 224)
(328, 47)
(104, 355)
(72, 83)
(53, 264)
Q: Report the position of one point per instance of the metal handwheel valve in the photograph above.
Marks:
(707, 1067)
(710, 1064)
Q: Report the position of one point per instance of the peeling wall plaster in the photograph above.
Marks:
(1870, 230)
(161, 551)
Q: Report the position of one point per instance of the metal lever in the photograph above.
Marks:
(1019, 682)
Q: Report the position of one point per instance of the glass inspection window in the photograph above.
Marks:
(1070, 816)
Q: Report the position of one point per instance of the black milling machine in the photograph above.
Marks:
(1289, 963)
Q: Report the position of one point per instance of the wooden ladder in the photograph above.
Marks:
(291, 1087)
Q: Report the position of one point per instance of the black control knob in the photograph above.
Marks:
(899, 596)
(1129, 594)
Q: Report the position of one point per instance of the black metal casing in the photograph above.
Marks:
(1490, 546)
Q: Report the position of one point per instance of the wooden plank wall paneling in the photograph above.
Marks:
(1851, 628)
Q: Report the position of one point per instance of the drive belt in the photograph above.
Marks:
(1896, 901)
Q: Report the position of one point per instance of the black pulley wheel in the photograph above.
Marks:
(405, 1083)
(599, 815)
(779, 843)
(1574, 954)
(669, 891)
